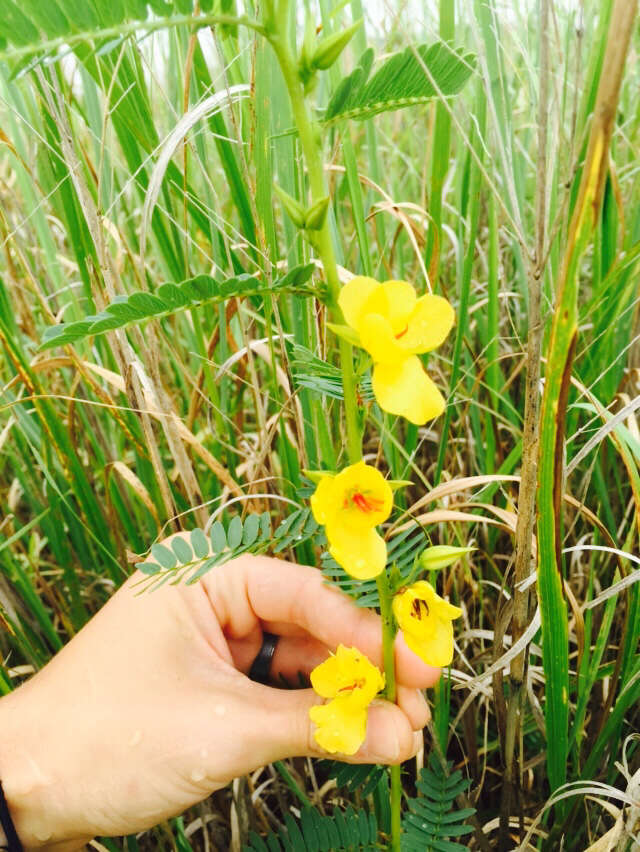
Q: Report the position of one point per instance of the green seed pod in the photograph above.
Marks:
(316, 215)
(306, 69)
(294, 209)
(440, 556)
(330, 48)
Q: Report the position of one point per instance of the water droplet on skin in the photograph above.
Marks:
(198, 775)
(136, 738)
(42, 834)
(220, 710)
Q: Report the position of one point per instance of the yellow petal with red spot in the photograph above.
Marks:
(406, 390)
(377, 337)
(426, 622)
(347, 673)
(363, 496)
(324, 500)
(352, 681)
(341, 726)
(429, 324)
(362, 553)
(350, 504)
(353, 297)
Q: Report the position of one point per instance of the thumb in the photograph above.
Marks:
(389, 738)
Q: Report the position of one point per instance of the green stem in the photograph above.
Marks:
(292, 783)
(323, 239)
(388, 638)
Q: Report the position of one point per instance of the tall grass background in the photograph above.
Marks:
(108, 444)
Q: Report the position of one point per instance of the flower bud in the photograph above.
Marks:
(306, 68)
(316, 215)
(330, 48)
(440, 556)
(294, 209)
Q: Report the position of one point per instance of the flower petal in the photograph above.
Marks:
(362, 553)
(324, 500)
(437, 650)
(426, 622)
(347, 673)
(341, 725)
(377, 337)
(437, 605)
(353, 296)
(406, 390)
(429, 324)
(395, 301)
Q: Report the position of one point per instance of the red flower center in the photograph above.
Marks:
(367, 504)
(358, 684)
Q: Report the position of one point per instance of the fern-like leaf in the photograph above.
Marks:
(299, 526)
(401, 81)
(317, 375)
(189, 559)
(169, 299)
(342, 831)
(32, 26)
(363, 777)
(434, 818)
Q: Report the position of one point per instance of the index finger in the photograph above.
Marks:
(271, 590)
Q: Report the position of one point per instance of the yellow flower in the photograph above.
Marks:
(348, 674)
(425, 620)
(350, 505)
(395, 326)
(340, 726)
(351, 681)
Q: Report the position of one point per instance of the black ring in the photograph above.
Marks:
(261, 666)
(13, 841)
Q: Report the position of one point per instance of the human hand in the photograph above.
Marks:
(148, 709)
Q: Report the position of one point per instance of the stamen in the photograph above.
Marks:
(358, 684)
(367, 504)
(402, 333)
(416, 608)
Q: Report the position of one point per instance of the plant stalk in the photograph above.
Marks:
(324, 246)
(388, 638)
(322, 241)
(530, 439)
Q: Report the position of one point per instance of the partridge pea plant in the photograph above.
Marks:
(394, 326)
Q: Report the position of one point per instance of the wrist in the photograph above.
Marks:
(32, 790)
